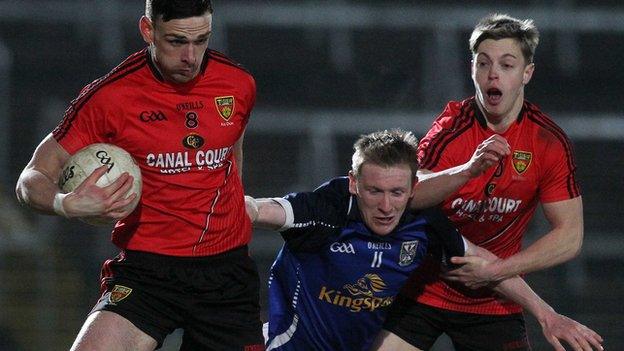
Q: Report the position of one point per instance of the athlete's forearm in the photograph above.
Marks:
(518, 291)
(265, 213)
(433, 188)
(36, 190)
(560, 244)
(554, 248)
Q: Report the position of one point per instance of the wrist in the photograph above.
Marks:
(251, 206)
(496, 271)
(58, 206)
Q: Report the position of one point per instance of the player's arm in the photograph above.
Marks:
(556, 327)
(560, 244)
(37, 187)
(432, 188)
(266, 213)
(238, 154)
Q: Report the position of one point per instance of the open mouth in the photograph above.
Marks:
(384, 220)
(494, 96)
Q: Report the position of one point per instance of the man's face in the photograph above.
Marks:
(382, 195)
(178, 45)
(499, 73)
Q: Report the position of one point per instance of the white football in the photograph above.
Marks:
(81, 164)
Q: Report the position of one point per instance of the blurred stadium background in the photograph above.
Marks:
(327, 71)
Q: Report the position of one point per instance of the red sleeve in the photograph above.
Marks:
(558, 181)
(87, 120)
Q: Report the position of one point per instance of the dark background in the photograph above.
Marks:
(326, 71)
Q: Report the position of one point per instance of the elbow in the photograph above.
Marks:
(20, 193)
(575, 246)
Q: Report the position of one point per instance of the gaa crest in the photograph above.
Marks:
(408, 252)
(521, 161)
(225, 106)
(119, 293)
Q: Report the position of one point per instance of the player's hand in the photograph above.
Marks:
(108, 203)
(558, 328)
(489, 153)
(474, 271)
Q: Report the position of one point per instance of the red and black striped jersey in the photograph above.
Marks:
(182, 136)
(493, 210)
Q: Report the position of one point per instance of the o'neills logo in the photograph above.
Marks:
(119, 293)
(358, 296)
(193, 141)
(225, 106)
(521, 161)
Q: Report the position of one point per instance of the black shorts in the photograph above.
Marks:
(421, 325)
(214, 299)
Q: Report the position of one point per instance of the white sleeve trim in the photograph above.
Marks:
(465, 244)
(288, 210)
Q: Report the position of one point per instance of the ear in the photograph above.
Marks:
(146, 27)
(414, 182)
(528, 73)
(352, 183)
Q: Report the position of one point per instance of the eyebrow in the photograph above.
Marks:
(504, 56)
(183, 37)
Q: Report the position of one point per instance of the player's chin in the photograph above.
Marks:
(384, 228)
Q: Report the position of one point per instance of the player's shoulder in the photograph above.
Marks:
(455, 110)
(109, 83)
(541, 123)
(226, 63)
(338, 187)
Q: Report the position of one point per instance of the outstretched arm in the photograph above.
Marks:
(433, 188)
(556, 327)
(265, 213)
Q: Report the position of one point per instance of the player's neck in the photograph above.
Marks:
(500, 123)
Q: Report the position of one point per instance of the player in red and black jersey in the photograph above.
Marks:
(180, 109)
(535, 166)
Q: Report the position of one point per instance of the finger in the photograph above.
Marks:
(117, 185)
(459, 259)
(123, 190)
(122, 205)
(592, 341)
(582, 343)
(95, 175)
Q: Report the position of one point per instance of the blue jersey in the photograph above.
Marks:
(333, 279)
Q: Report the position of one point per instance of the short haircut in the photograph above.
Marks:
(176, 9)
(500, 26)
(385, 148)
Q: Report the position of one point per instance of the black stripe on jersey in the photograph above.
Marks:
(538, 117)
(131, 64)
(219, 57)
(444, 137)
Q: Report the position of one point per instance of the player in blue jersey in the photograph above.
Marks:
(350, 246)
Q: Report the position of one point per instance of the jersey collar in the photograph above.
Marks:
(481, 118)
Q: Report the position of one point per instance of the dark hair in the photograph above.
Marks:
(387, 148)
(500, 26)
(175, 9)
